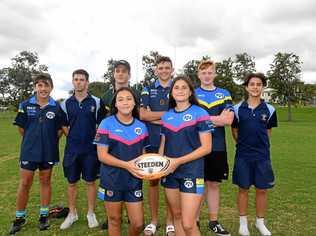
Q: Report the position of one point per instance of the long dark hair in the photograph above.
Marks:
(192, 99)
(135, 111)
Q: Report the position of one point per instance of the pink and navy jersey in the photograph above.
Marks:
(125, 142)
(181, 131)
(216, 101)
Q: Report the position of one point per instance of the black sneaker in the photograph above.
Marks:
(17, 225)
(43, 223)
(217, 228)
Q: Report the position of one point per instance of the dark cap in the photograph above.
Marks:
(122, 63)
(260, 76)
(45, 77)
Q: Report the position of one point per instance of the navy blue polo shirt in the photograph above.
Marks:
(156, 98)
(181, 131)
(216, 101)
(252, 124)
(41, 125)
(82, 119)
(125, 142)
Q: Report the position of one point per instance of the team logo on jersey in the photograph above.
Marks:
(201, 95)
(187, 117)
(219, 95)
(138, 193)
(31, 111)
(138, 130)
(50, 115)
(109, 193)
(118, 131)
(170, 118)
(264, 117)
(92, 108)
(188, 184)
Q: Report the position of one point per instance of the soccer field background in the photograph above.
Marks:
(292, 203)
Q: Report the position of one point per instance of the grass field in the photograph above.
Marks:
(292, 207)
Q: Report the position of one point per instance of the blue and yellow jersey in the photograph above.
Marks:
(125, 142)
(215, 101)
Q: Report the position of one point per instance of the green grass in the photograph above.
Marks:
(292, 208)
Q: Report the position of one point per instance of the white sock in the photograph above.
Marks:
(261, 227)
(243, 226)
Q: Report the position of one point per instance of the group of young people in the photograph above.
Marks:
(104, 137)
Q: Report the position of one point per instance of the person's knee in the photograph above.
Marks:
(45, 180)
(176, 213)
(243, 191)
(114, 221)
(26, 183)
(187, 226)
(137, 225)
(90, 184)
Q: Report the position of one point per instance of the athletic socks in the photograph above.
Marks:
(261, 227)
(20, 214)
(44, 211)
(243, 226)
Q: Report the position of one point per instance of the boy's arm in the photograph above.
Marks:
(225, 118)
(235, 133)
(21, 131)
(269, 132)
(147, 115)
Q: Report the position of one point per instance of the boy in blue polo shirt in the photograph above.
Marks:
(84, 112)
(251, 129)
(39, 121)
(154, 103)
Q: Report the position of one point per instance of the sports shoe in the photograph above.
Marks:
(92, 220)
(262, 228)
(17, 225)
(70, 219)
(217, 228)
(43, 223)
(243, 230)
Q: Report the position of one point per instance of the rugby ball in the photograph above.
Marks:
(153, 165)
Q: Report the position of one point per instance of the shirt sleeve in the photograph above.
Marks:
(144, 98)
(61, 118)
(102, 136)
(146, 139)
(273, 121)
(228, 104)
(235, 123)
(21, 117)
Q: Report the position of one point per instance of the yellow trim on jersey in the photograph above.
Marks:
(212, 104)
(144, 93)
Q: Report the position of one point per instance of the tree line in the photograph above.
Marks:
(284, 77)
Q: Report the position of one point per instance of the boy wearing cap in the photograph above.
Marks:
(251, 129)
(84, 113)
(218, 103)
(39, 122)
(154, 103)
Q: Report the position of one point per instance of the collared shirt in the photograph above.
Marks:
(82, 119)
(156, 97)
(252, 124)
(216, 101)
(181, 131)
(125, 142)
(41, 125)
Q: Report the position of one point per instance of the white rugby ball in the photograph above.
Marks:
(153, 165)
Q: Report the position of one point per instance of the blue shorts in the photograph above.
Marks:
(86, 165)
(32, 166)
(253, 172)
(120, 196)
(185, 185)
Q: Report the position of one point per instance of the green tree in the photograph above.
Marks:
(98, 88)
(190, 69)
(243, 64)
(108, 75)
(18, 78)
(284, 77)
(149, 62)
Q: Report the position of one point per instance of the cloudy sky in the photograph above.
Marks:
(84, 34)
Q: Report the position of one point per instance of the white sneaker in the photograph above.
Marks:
(92, 220)
(243, 230)
(263, 229)
(70, 219)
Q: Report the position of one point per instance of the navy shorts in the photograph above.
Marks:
(253, 172)
(87, 166)
(216, 166)
(185, 185)
(120, 196)
(32, 166)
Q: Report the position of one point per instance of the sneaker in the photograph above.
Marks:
(17, 225)
(243, 230)
(43, 223)
(92, 220)
(217, 228)
(263, 229)
(70, 219)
